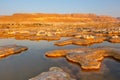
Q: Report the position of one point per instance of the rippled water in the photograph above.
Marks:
(33, 61)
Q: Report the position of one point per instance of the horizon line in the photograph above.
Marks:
(55, 13)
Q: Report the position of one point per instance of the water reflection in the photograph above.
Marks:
(32, 62)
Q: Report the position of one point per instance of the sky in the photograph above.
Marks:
(99, 7)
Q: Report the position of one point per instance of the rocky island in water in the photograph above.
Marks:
(78, 29)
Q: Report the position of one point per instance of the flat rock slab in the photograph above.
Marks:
(81, 42)
(54, 73)
(88, 58)
(114, 40)
(11, 49)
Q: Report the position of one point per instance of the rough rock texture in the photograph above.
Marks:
(51, 38)
(11, 49)
(115, 40)
(88, 58)
(95, 74)
(64, 42)
(54, 73)
(57, 53)
(79, 74)
(78, 41)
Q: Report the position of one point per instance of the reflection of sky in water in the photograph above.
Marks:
(32, 62)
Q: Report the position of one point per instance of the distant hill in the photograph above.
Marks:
(118, 18)
(43, 17)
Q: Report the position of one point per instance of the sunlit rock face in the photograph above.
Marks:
(44, 17)
(88, 58)
(54, 73)
(10, 50)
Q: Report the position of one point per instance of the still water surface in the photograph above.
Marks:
(32, 62)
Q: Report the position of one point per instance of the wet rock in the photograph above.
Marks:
(115, 39)
(51, 38)
(88, 58)
(65, 42)
(11, 49)
(54, 73)
(79, 41)
(82, 42)
(95, 74)
(85, 36)
(34, 38)
(56, 53)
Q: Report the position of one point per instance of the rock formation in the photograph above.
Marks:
(80, 41)
(54, 73)
(115, 39)
(85, 29)
(88, 58)
(10, 50)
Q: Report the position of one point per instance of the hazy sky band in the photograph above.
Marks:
(100, 7)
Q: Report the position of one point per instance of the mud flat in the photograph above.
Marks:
(88, 58)
(54, 73)
(10, 50)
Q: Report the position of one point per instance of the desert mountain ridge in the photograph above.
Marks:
(45, 17)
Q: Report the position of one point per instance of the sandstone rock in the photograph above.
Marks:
(11, 49)
(54, 73)
(88, 58)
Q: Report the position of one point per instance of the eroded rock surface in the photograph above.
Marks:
(54, 73)
(80, 41)
(11, 49)
(115, 39)
(88, 58)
